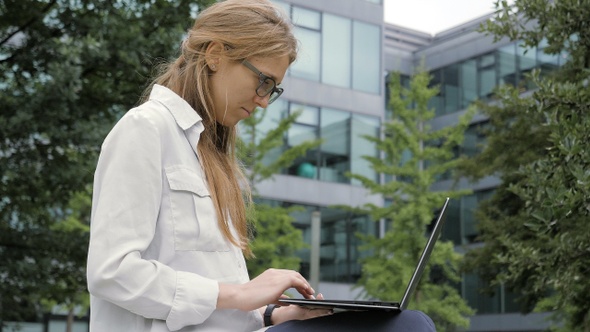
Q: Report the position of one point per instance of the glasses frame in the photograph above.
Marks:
(274, 93)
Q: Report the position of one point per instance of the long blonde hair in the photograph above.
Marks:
(248, 28)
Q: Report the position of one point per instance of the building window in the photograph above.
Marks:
(285, 6)
(340, 252)
(307, 30)
(501, 301)
(306, 128)
(337, 41)
(361, 126)
(461, 226)
(483, 304)
(486, 75)
(365, 57)
(450, 88)
(469, 204)
(464, 82)
(436, 102)
(347, 53)
(468, 83)
(342, 148)
(335, 149)
(507, 72)
(451, 230)
(273, 115)
(474, 139)
(527, 61)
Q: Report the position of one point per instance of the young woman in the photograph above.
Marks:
(168, 228)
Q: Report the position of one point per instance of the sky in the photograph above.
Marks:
(433, 16)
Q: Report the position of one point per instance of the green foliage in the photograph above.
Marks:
(510, 120)
(68, 70)
(535, 226)
(562, 24)
(276, 240)
(416, 156)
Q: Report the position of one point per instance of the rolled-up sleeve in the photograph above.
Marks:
(188, 307)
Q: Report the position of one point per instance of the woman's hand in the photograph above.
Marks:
(265, 289)
(295, 312)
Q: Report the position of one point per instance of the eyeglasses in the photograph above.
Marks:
(267, 84)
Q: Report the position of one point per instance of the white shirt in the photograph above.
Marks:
(156, 254)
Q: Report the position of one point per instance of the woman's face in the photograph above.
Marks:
(234, 87)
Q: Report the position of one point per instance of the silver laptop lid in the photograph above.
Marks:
(424, 257)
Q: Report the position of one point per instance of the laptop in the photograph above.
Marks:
(343, 305)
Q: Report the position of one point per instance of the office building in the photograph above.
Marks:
(339, 82)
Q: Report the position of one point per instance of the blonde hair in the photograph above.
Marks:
(247, 28)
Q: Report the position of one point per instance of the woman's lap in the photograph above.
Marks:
(407, 320)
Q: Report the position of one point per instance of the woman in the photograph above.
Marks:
(168, 228)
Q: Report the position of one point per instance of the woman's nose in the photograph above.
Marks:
(262, 101)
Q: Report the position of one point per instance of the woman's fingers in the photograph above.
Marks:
(298, 282)
(270, 285)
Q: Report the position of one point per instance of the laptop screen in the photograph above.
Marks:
(424, 257)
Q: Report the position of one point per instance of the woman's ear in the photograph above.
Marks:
(213, 55)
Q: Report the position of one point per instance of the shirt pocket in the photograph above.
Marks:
(193, 213)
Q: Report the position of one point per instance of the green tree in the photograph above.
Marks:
(535, 225)
(72, 280)
(415, 156)
(276, 240)
(68, 70)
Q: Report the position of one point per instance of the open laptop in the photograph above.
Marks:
(378, 305)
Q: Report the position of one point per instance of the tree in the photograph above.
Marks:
(69, 70)
(415, 156)
(276, 240)
(72, 280)
(535, 225)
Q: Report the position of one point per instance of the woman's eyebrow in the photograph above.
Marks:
(270, 75)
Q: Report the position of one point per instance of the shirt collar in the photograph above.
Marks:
(182, 112)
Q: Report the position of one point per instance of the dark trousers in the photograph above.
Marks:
(355, 321)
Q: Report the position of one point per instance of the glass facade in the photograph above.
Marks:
(474, 139)
(461, 225)
(463, 82)
(342, 147)
(461, 228)
(345, 53)
(339, 242)
(502, 301)
(336, 50)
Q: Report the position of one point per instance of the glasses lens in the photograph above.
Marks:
(266, 86)
(275, 95)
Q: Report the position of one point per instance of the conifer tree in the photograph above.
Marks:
(413, 157)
